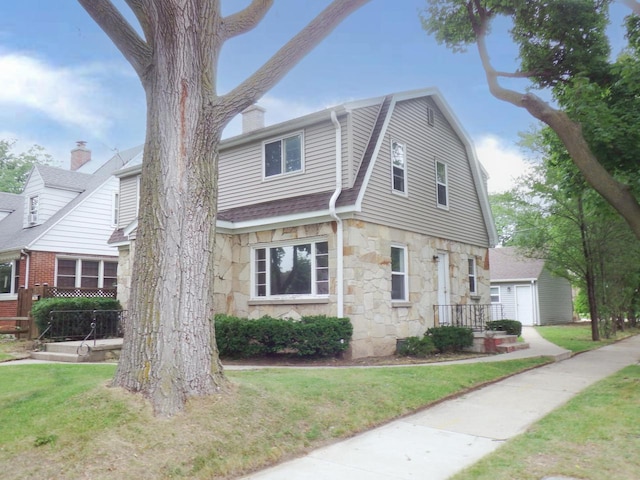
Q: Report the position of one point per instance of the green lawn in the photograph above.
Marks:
(595, 436)
(61, 421)
(577, 337)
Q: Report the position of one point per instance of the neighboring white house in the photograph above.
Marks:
(527, 291)
(375, 210)
(55, 232)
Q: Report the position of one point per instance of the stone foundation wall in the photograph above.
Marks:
(378, 322)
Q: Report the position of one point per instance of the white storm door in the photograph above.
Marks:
(444, 297)
(524, 304)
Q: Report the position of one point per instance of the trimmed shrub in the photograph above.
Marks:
(313, 336)
(510, 327)
(81, 325)
(451, 339)
(417, 347)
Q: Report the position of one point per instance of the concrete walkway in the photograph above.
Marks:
(440, 441)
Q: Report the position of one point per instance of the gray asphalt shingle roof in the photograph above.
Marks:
(507, 264)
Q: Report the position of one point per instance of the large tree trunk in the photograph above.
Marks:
(169, 352)
(589, 274)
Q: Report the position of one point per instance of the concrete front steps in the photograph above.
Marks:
(78, 351)
(493, 341)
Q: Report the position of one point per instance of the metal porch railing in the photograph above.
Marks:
(474, 316)
(66, 325)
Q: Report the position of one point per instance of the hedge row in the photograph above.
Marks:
(510, 327)
(312, 336)
(79, 324)
(451, 339)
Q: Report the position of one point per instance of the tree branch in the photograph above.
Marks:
(245, 20)
(289, 55)
(138, 8)
(570, 133)
(121, 33)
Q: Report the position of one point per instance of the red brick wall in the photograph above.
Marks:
(42, 268)
(8, 308)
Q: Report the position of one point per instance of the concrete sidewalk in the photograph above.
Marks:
(440, 441)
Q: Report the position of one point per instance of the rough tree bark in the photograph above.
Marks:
(169, 352)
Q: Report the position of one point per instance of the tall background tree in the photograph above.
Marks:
(553, 214)
(15, 167)
(169, 352)
(564, 50)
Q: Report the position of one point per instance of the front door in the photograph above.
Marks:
(444, 298)
(524, 304)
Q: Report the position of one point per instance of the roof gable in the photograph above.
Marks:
(507, 264)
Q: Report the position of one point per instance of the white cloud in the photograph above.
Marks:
(503, 162)
(66, 95)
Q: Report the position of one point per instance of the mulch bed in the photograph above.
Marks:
(282, 360)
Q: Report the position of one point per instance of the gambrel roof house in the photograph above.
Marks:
(527, 290)
(56, 230)
(375, 210)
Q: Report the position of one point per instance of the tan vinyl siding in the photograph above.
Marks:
(241, 173)
(417, 211)
(363, 120)
(128, 200)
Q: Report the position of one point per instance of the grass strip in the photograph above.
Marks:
(61, 421)
(594, 436)
(577, 337)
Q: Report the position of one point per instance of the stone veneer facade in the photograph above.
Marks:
(377, 321)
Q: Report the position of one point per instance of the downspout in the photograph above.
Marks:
(26, 268)
(334, 214)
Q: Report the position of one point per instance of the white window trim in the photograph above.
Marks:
(33, 213)
(405, 258)
(283, 173)
(405, 192)
(115, 208)
(254, 294)
(499, 295)
(471, 262)
(78, 274)
(11, 294)
(446, 184)
(138, 195)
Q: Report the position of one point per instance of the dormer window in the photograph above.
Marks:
(33, 210)
(283, 156)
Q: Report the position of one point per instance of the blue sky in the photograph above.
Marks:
(62, 80)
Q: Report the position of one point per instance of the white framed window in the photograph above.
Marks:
(399, 277)
(495, 294)
(34, 203)
(291, 270)
(442, 189)
(398, 167)
(283, 156)
(86, 273)
(473, 279)
(9, 277)
(115, 208)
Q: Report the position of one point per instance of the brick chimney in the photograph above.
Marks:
(252, 118)
(80, 155)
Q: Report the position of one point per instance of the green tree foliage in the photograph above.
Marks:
(554, 215)
(564, 49)
(15, 168)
